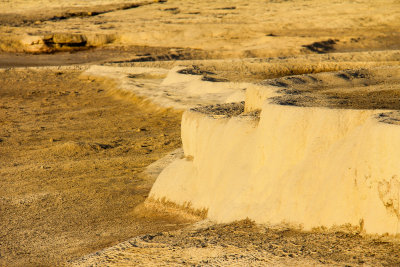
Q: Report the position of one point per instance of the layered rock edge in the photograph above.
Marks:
(305, 166)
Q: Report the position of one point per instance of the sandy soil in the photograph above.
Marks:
(244, 243)
(73, 149)
(71, 157)
(373, 88)
(234, 28)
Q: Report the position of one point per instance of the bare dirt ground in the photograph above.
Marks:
(221, 28)
(244, 243)
(71, 157)
(99, 55)
(73, 150)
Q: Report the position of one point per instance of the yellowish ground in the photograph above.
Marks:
(221, 28)
(72, 154)
(71, 157)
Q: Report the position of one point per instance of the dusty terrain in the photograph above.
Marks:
(73, 149)
(71, 162)
(218, 29)
(244, 243)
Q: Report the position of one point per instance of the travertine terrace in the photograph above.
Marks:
(291, 162)
(187, 132)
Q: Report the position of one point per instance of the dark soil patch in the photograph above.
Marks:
(322, 46)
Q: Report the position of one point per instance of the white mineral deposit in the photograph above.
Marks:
(199, 133)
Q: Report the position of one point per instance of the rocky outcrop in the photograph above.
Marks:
(308, 166)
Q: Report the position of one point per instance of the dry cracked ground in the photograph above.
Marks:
(73, 150)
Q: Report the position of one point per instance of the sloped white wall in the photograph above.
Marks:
(305, 166)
